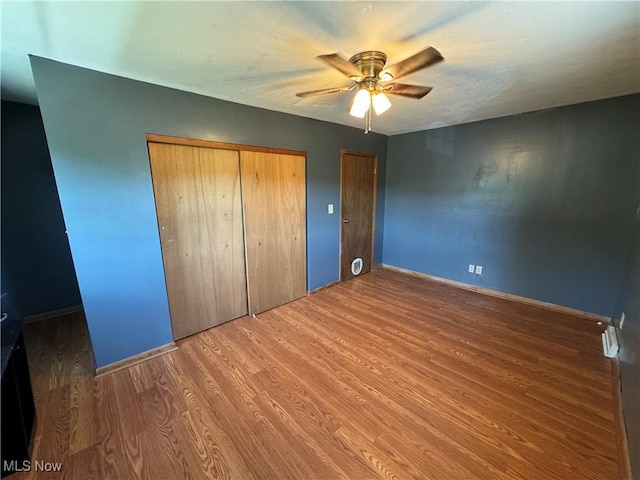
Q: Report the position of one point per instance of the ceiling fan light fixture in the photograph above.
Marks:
(380, 103)
(361, 103)
(374, 81)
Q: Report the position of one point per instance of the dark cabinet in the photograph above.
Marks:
(18, 409)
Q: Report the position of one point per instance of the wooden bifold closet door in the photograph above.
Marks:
(232, 229)
(197, 192)
(274, 205)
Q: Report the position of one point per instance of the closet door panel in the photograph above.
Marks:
(198, 201)
(274, 207)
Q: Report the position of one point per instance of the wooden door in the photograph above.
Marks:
(274, 206)
(357, 209)
(198, 201)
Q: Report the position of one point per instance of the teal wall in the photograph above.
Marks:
(37, 270)
(544, 201)
(96, 125)
(629, 339)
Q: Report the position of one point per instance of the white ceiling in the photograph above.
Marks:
(501, 58)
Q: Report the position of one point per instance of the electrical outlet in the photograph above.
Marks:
(621, 322)
(472, 268)
(478, 269)
(330, 209)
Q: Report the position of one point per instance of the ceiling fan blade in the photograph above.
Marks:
(412, 64)
(324, 91)
(342, 65)
(411, 91)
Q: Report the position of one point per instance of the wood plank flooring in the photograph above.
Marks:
(385, 376)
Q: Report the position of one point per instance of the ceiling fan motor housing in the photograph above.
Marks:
(369, 63)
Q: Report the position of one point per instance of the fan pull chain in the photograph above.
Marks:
(367, 127)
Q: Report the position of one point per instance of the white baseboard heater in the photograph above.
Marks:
(610, 342)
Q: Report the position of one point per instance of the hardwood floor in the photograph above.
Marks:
(385, 376)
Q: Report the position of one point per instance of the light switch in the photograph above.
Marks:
(330, 209)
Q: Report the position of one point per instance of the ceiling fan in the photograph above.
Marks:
(374, 81)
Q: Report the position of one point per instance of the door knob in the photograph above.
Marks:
(344, 220)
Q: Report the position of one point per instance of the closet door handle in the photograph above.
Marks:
(344, 220)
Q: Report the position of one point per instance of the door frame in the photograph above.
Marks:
(195, 142)
(373, 156)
